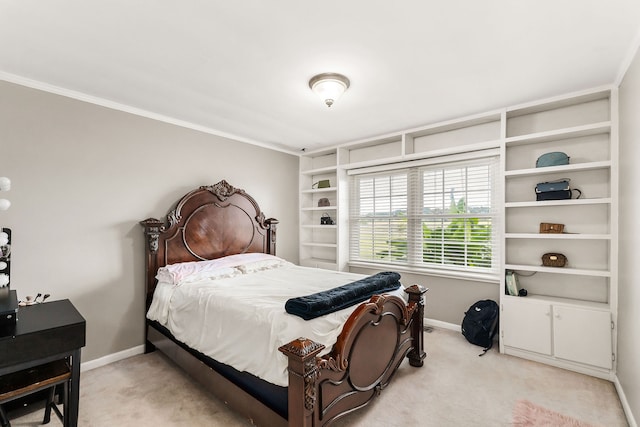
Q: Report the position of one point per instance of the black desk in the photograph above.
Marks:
(44, 333)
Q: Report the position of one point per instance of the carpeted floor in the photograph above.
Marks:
(454, 388)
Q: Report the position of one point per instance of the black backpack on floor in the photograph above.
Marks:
(480, 323)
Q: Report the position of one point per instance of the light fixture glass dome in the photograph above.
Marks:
(329, 86)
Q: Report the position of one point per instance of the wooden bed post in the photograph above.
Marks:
(152, 229)
(272, 225)
(416, 304)
(303, 373)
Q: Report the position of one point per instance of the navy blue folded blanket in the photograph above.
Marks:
(325, 302)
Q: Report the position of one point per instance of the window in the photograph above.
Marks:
(437, 217)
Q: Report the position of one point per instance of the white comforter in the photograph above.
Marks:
(240, 319)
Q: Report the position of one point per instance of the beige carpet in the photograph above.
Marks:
(454, 388)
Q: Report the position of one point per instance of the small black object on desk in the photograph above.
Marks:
(8, 311)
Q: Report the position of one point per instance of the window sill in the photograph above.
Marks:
(492, 277)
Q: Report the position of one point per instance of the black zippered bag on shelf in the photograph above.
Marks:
(555, 190)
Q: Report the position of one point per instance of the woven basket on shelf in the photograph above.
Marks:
(552, 259)
(548, 227)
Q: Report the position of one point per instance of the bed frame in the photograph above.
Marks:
(219, 220)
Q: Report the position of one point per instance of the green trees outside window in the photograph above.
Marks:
(459, 240)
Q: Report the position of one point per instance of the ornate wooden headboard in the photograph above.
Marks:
(207, 223)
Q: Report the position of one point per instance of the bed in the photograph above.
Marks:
(324, 381)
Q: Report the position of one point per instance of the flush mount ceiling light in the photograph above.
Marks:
(329, 86)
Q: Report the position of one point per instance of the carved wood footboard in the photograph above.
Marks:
(373, 343)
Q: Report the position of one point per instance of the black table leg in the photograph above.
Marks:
(71, 413)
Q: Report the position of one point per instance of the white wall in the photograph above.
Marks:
(83, 176)
(629, 283)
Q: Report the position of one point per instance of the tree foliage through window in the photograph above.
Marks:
(421, 231)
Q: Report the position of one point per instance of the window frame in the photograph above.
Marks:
(415, 255)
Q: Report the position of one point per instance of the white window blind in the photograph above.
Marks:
(440, 217)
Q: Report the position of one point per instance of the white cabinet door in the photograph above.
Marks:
(582, 335)
(526, 324)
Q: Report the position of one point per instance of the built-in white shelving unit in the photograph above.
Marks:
(569, 315)
(319, 243)
(327, 246)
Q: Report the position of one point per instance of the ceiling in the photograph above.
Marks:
(241, 68)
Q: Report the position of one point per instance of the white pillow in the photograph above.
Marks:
(265, 264)
(193, 273)
(228, 266)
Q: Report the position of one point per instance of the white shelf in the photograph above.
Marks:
(319, 190)
(377, 162)
(606, 164)
(558, 236)
(319, 171)
(322, 208)
(561, 101)
(320, 245)
(448, 151)
(564, 301)
(560, 134)
(322, 226)
(558, 270)
(568, 202)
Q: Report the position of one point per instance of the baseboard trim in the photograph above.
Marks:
(625, 403)
(441, 324)
(110, 358)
